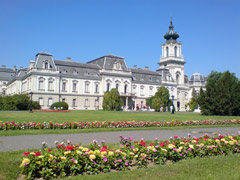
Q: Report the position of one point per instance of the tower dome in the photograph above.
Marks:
(171, 35)
(197, 77)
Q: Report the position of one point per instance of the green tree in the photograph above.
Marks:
(112, 101)
(160, 99)
(222, 95)
(193, 103)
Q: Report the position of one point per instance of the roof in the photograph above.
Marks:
(197, 77)
(7, 70)
(109, 55)
(44, 53)
(75, 64)
(143, 71)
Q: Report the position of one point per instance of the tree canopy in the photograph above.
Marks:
(160, 99)
(193, 103)
(222, 95)
(112, 101)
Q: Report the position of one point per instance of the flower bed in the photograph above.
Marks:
(108, 124)
(68, 159)
(51, 110)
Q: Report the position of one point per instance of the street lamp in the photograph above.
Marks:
(31, 93)
(172, 104)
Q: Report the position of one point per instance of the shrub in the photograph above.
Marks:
(36, 105)
(59, 105)
(112, 101)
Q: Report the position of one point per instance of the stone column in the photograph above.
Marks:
(126, 102)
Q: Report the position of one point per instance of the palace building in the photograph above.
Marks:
(82, 85)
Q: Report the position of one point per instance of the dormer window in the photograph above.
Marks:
(45, 65)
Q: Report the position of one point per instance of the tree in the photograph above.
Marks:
(160, 99)
(222, 95)
(112, 101)
(193, 103)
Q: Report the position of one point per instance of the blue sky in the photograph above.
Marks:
(134, 29)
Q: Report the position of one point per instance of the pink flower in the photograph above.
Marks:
(189, 134)
(105, 159)
(130, 138)
(120, 160)
(126, 163)
(132, 147)
(25, 164)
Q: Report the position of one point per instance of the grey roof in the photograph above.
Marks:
(197, 77)
(44, 53)
(143, 71)
(75, 64)
(7, 73)
(109, 55)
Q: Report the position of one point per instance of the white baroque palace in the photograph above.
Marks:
(82, 85)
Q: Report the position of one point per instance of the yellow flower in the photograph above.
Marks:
(97, 152)
(201, 144)
(41, 156)
(25, 160)
(131, 153)
(110, 153)
(150, 147)
(124, 154)
(80, 147)
(85, 149)
(194, 141)
(136, 156)
(164, 150)
(182, 143)
(92, 156)
(91, 152)
(79, 152)
(143, 155)
(191, 146)
(63, 158)
(38, 162)
(75, 162)
(230, 137)
(50, 157)
(32, 153)
(223, 139)
(104, 152)
(231, 142)
(135, 149)
(171, 146)
(67, 152)
(179, 149)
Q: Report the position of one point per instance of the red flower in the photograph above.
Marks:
(37, 153)
(26, 153)
(162, 144)
(135, 142)
(176, 137)
(151, 144)
(60, 146)
(49, 150)
(104, 148)
(69, 148)
(143, 143)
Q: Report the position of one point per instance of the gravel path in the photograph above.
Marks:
(12, 143)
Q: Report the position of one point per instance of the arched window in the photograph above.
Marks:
(108, 87)
(50, 84)
(125, 89)
(177, 78)
(167, 52)
(175, 51)
(46, 65)
(117, 85)
(41, 84)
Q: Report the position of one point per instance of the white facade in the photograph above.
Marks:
(82, 85)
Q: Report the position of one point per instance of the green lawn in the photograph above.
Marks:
(213, 168)
(105, 116)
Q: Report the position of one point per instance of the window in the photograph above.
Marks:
(45, 65)
(142, 91)
(150, 91)
(74, 103)
(108, 87)
(175, 51)
(87, 87)
(96, 103)
(64, 86)
(96, 88)
(50, 84)
(86, 102)
(167, 52)
(178, 78)
(49, 101)
(63, 100)
(134, 90)
(142, 78)
(40, 100)
(150, 78)
(41, 83)
(117, 85)
(74, 86)
(125, 89)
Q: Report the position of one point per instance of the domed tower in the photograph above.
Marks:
(172, 58)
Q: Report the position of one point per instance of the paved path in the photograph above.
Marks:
(12, 143)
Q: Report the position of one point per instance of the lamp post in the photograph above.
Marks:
(31, 93)
(172, 104)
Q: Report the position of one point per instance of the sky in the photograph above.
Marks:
(87, 29)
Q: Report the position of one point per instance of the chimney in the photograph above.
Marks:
(14, 68)
(135, 67)
(3, 66)
(68, 59)
(146, 68)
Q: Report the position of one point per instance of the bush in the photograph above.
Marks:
(36, 105)
(59, 105)
(112, 101)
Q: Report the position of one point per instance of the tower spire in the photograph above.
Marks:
(171, 35)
